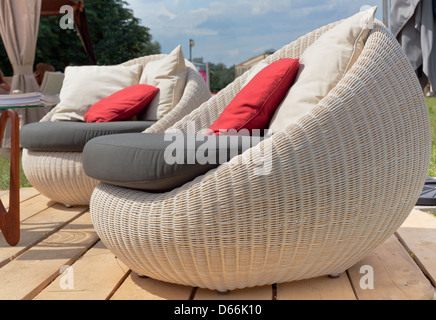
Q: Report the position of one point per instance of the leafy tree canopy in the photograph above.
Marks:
(220, 76)
(116, 34)
(117, 37)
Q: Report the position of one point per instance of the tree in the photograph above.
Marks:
(220, 76)
(58, 47)
(116, 34)
(5, 65)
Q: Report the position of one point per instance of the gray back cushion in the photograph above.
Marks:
(70, 136)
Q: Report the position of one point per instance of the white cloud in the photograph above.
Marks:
(163, 12)
(233, 52)
(262, 49)
(169, 18)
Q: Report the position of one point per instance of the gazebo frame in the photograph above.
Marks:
(52, 7)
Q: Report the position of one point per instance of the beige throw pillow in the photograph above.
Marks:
(86, 85)
(322, 66)
(169, 75)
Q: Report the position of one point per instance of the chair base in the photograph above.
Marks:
(132, 224)
(59, 176)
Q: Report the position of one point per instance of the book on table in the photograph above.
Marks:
(28, 99)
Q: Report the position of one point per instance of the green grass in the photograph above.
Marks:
(4, 172)
(431, 103)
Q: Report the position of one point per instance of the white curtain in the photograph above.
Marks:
(19, 23)
(413, 24)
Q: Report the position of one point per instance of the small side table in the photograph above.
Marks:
(10, 219)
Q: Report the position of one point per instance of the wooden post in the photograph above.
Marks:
(10, 219)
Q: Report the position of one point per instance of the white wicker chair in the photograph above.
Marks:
(343, 179)
(60, 176)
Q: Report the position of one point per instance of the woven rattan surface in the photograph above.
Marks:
(60, 176)
(339, 181)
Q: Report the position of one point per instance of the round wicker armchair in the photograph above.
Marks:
(60, 175)
(343, 178)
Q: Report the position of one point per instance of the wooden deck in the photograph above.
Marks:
(53, 236)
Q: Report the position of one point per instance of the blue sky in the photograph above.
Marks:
(232, 31)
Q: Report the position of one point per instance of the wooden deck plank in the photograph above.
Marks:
(321, 288)
(136, 288)
(390, 274)
(418, 235)
(25, 194)
(254, 293)
(95, 276)
(38, 227)
(34, 205)
(53, 235)
(26, 276)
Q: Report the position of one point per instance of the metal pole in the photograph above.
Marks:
(386, 12)
(191, 44)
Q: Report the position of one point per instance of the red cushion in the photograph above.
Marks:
(122, 105)
(254, 106)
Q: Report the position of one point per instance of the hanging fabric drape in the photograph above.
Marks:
(413, 24)
(19, 23)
